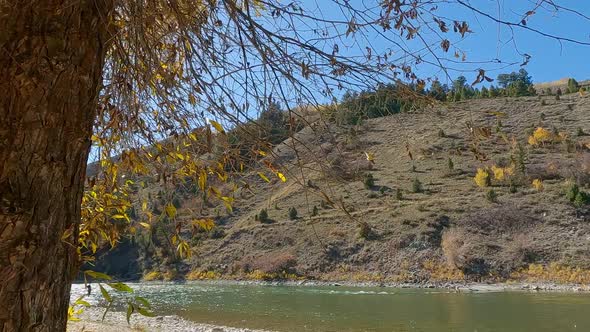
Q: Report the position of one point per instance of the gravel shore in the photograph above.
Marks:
(116, 322)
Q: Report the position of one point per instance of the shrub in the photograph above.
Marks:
(152, 275)
(176, 202)
(292, 213)
(263, 216)
(202, 275)
(452, 246)
(580, 132)
(451, 165)
(582, 198)
(217, 233)
(399, 194)
(538, 184)
(417, 186)
(572, 86)
(571, 192)
(482, 178)
(499, 173)
(170, 275)
(314, 211)
(542, 116)
(441, 133)
(369, 181)
(557, 97)
(513, 187)
(364, 230)
(543, 102)
(492, 196)
(570, 107)
(271, 264)
(541, 136)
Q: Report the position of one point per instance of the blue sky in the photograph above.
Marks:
(550, 59)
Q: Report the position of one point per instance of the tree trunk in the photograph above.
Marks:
(51, 61)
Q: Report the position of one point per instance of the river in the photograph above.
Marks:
(311, 308)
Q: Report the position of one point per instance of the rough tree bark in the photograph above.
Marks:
(51, 60)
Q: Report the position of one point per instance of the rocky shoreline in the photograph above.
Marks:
(116, 322)
(457, 286)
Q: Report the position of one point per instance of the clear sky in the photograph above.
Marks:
(550, 60)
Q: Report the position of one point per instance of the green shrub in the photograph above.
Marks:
(513, 188)
(369, 181)
(580, 132)
(543, 102)
(542, 116)
(314, 211)
(441, 133)
(292, 213)
(492, 196)
(582, 198)
(572, 86)
(570, 107)
(263, 216)
(451, 165)
(217, 233)
(417, 186)
(176, 202)
(399, 194)
(572, 192)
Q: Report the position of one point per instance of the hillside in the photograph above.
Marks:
(422, 219)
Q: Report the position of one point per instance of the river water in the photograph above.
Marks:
(306, 308)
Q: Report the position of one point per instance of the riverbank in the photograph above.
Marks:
(116, 322)
(455, 285)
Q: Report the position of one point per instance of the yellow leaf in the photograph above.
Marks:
(145, 224)
(281, 176)
(202, 180)
(227, 201)
(144, 206)
(170, 211)
(263, 177)
(206, 224)
(66, 234)
(192, 100)
(217, 126)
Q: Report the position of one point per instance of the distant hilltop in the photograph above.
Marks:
(562, 83)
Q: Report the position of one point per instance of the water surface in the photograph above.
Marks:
(303, 308)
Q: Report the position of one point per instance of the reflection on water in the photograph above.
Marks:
(290, 308)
